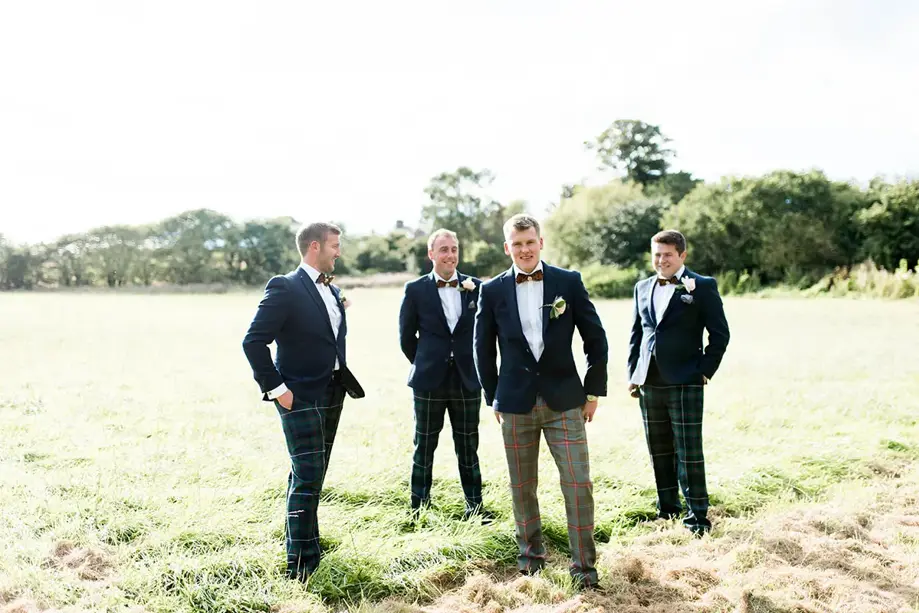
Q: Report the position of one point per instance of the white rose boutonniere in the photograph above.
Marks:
(557, 308)
(468, 285)
(688, 284)
(345, 303)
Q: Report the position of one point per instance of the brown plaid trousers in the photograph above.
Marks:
(567, 439)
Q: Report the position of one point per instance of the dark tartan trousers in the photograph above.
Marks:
(462, 405)
(309, 428)
(672, 417)
(567, 439)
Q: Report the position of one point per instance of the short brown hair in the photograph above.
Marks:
(520, 221)
(671, 237)
(318, 231)
(441, 232)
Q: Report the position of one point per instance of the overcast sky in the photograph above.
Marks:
(128, 111)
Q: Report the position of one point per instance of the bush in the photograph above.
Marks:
(609, 281)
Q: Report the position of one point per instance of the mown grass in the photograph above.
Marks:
(132, 431)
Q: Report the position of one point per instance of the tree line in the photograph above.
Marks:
(790, 227)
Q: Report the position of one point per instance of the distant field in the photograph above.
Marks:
(139, 470)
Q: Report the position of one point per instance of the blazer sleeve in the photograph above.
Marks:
(269, 318)
(594, 337)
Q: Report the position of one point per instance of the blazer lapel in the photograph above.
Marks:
(465, 297)
(509, 284)
(548, 296)
(434, 295)
(652, 284)
(310, 286)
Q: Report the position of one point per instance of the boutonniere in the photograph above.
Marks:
(688, 284)
(345, 303)
(557, 308)
(467, 285)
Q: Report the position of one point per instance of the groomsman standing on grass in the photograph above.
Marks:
(435, 333)
(303, 313)
(530, 313)
(667, 370)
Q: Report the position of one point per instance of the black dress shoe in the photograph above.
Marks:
(484, 515)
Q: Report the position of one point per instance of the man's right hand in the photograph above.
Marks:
(286, 399)
(633, 390)
(499, 418)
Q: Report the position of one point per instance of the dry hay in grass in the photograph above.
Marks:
(853, 556)
(89, 564)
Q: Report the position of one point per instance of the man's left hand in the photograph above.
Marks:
(590, 407)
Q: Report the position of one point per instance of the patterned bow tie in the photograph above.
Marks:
(452, 283)
(535, 276)
(672, 280)
(324, 279)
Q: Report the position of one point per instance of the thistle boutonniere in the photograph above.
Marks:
(467, 285)
(557, 307)
(345, 303)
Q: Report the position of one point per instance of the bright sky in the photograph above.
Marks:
(127, 111)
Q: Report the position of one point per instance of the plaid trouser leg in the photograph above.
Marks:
(684, 407)
(659, 437)
(567, 439)
(429, 421)
(308, 443)
(464, 421)
(521, 446)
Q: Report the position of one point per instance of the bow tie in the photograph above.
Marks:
(672, 280)
(324, 279)
(533, 276)
(452, 283)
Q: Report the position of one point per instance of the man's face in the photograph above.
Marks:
(444, 253)
(666, 260)
(523, 246)
(327, 252)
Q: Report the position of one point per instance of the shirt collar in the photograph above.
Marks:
(437, 276)
(309, 270)
(517, 271)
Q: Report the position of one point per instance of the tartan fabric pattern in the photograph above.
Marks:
(567, 439)
(309, 429)
(463, 408)
(672, 416)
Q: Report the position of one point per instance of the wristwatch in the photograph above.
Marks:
(591, 398)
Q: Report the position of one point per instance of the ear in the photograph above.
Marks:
(507, 249)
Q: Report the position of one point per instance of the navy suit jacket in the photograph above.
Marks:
(676, 340)
(426, 339)
(554, 376)
(293, 315)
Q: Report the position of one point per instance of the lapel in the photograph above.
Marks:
(548, 295)
(675, 302)
(434, 295)
(465, 298)
(336, 291)
(509, 285)
(310, 286)
(650, 292)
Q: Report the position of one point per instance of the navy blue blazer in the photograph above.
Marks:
(293, 315)
(676, 340)
(426, 339)
(554, 376)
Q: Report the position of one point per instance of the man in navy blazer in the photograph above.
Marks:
(667, 370)
(435, 333)
(530, 312)
(303, 314)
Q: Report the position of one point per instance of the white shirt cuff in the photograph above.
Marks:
(279, 390)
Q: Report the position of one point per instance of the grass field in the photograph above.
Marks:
(139, 471)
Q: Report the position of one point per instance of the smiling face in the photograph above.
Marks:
(666, 259)
(444, 253)
(524, 247)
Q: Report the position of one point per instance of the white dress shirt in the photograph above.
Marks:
(529, 307)
(331, 305)
(663, 294)
(450, 299)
